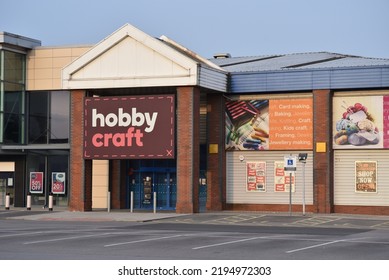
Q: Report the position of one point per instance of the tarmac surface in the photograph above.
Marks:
(221, 218)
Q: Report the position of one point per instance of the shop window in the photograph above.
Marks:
(48, 117)
(12, 67)
(38, 116)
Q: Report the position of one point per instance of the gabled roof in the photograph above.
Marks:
(131, 58)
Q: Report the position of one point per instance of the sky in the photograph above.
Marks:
(207, 27)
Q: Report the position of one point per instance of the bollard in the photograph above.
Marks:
(132, 202)
(51, 202)
(109, 202)
(155, 203)
(29, 201)
(7, 201)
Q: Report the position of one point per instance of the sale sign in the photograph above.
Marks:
(58, 182)
(36, 182)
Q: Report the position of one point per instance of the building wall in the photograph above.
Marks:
(100, 177)
(44, 66)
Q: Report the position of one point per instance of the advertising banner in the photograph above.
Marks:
(58, 182)
(280, 124)
(129, 127)
(256, 176)
(366, 176)
(282, 178)
(36, 182)
(361, 122)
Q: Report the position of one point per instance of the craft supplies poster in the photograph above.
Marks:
(282, 124)
(366, 176)
(256, 176)
(361, 122)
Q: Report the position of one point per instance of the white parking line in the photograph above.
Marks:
(21, 234)
(226, 243)
(324, 244)
(65, 238)
(143, 240)
(314, 246)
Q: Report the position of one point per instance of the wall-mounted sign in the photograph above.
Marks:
(58, 182)
(36, 182)
(129, 127)
(256, 176)
(280, 124)
(366, 176)
(361, 122)
(282, 177)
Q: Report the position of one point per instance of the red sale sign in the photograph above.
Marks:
(58, 182)
(36, 182)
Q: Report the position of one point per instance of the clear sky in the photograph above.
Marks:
(239, 27)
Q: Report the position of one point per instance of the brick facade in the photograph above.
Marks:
(216, 161)
(322, 164)
(80, 169)
(188, 151)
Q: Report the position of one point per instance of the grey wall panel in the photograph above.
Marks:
(236, 178)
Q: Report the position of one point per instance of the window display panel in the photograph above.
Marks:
(59, 117)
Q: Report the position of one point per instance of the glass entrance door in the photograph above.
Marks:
(149, 182)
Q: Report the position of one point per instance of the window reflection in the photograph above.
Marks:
(48, 117)
(59, 117)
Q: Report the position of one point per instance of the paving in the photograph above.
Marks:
(215, 218)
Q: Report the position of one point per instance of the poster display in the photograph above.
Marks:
(282, 178)
(366, 176)
(361, 122)
(58, 182)
(256, 176)
(36, 182)
(280, 124)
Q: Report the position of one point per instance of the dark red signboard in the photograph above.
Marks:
(129, 127)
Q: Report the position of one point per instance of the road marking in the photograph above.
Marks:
(324, 244)
(65, 238)
(21, 234)
(140, 241)
(232, 242)
(313, 246)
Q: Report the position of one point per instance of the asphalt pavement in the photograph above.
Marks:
(216, 218)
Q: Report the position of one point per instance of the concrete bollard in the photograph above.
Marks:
(155, 202)
(51, 202)
(28, 201)
(7, 201)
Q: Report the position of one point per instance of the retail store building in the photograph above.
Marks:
(136, 119)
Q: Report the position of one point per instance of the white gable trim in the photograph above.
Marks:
(188, 74)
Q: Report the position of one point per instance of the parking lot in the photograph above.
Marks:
(229, 237)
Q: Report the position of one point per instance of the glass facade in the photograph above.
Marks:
(12, 86)
(48, 117)
(31, 119)
(48, 164)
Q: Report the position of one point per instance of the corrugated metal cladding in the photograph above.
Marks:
(236, 179)
(344, 178)
(347, 78)
(212, 79)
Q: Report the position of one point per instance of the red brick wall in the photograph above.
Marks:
(188, 149)
(216, 161)
(80, 170)
(117, 183)
(322, 164)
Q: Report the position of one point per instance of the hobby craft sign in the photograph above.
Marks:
(129, 127)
